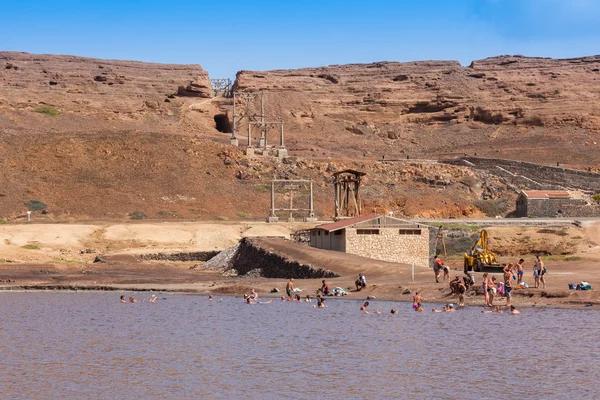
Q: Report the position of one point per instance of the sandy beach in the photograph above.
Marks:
(61, 257)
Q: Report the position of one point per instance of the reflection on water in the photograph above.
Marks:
(88, 345)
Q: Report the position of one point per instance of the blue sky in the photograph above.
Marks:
(225, 36)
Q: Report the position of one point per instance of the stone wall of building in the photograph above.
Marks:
(390, 245)
(570, 208)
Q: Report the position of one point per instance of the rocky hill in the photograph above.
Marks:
(101, 139)
(534, 109)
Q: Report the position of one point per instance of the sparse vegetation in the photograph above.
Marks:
(65, 261)
(469, 227)
(596, 198)
(241, 214)
(35, 205)
(137, 215)
(3, 221)
(31, 247)
(47, 110)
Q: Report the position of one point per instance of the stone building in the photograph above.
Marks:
(378, 237)
(555, 203)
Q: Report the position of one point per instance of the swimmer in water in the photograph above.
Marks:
(298, 298)
(132, 300)
(254, 295)
(393, 311)
(450, 308)
(153, 298)
(513, 310)
(434, 310)
(123, 299)
(363, 308)
(210, 298)
(282, 298)
(308, 298)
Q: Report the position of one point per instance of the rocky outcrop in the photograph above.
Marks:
(250, 259)
(100, 90)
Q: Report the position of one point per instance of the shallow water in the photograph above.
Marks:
(88, 345)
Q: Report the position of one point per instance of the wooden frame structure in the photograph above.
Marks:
(346, 185)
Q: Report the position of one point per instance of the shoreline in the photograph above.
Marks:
(470, 301)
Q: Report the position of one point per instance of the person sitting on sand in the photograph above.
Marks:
(123, 299)
(324, 289)
(513, 310)
(361, 282)
(132, 300)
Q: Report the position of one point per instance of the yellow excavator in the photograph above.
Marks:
(479, 258)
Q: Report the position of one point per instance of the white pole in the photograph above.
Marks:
(413, 272)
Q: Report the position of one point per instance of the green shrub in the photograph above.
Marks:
(596, 197)
(3, 221)
(241, 214)
(137, 215)
(35, 205)
(47, 110)
(31, 247)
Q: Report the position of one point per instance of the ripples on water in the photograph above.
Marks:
(88, 345)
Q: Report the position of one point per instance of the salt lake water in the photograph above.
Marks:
(89, 345)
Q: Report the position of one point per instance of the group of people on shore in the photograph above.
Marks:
(512, 274)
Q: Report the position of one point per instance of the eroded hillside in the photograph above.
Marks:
(101, 139)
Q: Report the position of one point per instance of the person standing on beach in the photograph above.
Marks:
(536, 272)
(541, 271)
(484, 286)
(289, 289)
(520, 269)
(507, 284)
(438, 265)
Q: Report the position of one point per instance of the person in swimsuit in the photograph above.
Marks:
(520, 269)
(536, 273)
(417, 301)
(123, 299)
(132, 300)
(513, 310)
(393, 311)
(450, 308)
(363, 308)
(507, 286)
(289, 289)
(492, 290)
(541, 271)
(438, 265)
(484, 286)
(254, 295)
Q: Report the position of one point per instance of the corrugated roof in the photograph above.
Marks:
(547, 194)
(344, 223)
